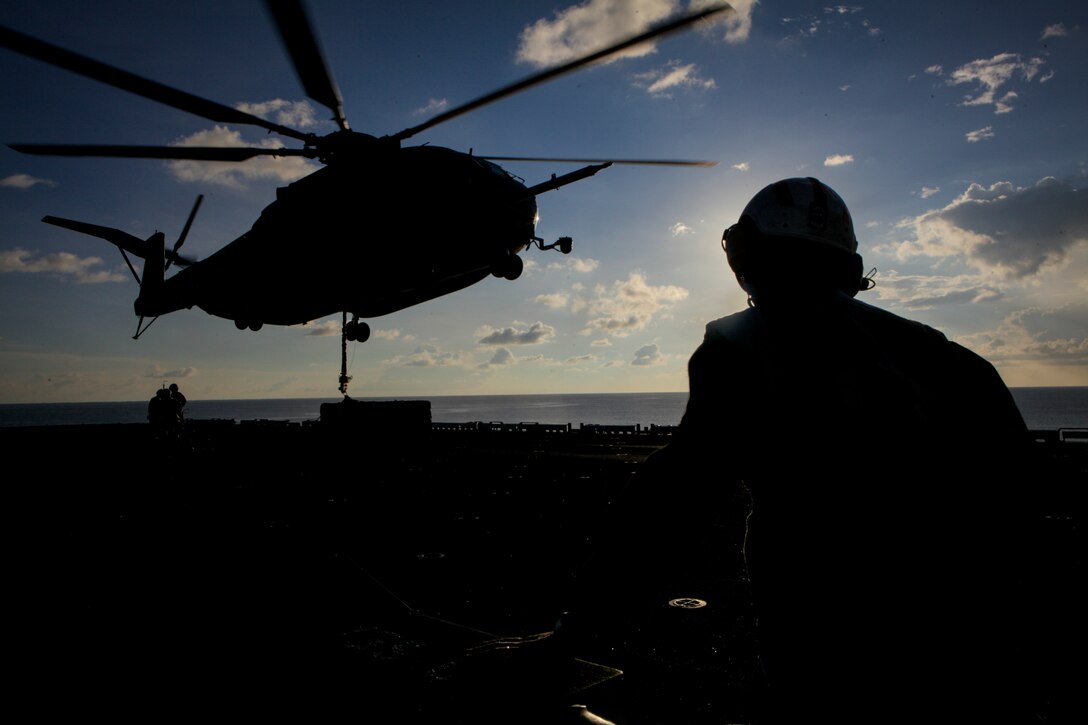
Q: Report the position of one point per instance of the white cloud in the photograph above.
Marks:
(1058, 335)
(991, 74)
(917, 291)
(742, 166)
(935, 70)
(281, 169)
(672, 75)
(434, 105)
(648, 355)
(680, 229)
(501, 357)
(591, 26)
(323, 329)
(24, 181)
(1004, 105)
(1004, 230)
(392, 334)
(295, 114)
(582, 265)
(737, 23)
(838, 160)
(431, 356)
(928, 191)
(629, 305)
(81, 269)
(602, 342)
(843, 9)
(555, 301)
(980, 134)
(1046, 76)
(157, 371)
(1057, 30)
(534, 334)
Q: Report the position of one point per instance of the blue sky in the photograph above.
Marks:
(955, 132)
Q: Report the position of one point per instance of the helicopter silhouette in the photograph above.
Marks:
(368, 187)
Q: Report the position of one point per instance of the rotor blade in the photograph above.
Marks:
(133, 83)
(125, 242)
(172, 256)
(193, 153)
(651, 162)
(188, 223)
(557, 71)
(297, 34)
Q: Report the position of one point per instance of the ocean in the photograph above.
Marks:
(1042, 408)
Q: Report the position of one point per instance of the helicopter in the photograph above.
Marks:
(412, 193)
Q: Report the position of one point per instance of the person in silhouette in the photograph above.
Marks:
(179, 401)
(163, 413)
(879, 461)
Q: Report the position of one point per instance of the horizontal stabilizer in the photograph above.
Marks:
(127, 242)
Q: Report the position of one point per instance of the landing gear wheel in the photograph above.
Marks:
(241, 324)
(509, 267)
(256, 326)
(356, 331)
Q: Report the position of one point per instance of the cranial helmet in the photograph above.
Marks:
(803, 208)
(795, 234)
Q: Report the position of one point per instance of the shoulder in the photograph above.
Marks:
(733, 327)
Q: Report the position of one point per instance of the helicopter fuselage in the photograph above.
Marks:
(368, 235)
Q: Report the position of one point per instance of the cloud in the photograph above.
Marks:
(920, 292)
(835, 17)
(393, 334)
(323, 329)
(1057, 30)
(603, 342)
(1009, 231)
(980, 134)
(535, 334)
(737, 24)
(554, 301)
(648, 355)
(24, 181)
(431, 356)
(582, 265)
(593, 25)
(672, 75)
(991, 74)
(928, 191)
(296, 114)
(629, 305)
(155, 371)
(64, 264)
(280, 169)
(742, 166)
(434, 105)
(935, 70)
(1058, 335)
(501, 357)
(680, 229)
(838, 160)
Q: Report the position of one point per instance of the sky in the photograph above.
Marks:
(954, 131)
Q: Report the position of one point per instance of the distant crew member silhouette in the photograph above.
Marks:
(879, 460)
(179, 400)
(163, 413)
